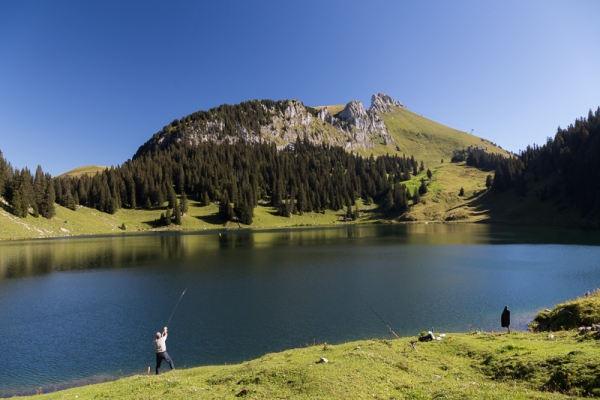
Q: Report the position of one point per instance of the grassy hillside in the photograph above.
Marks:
(88, 169)
(426, 139)
(86, 221)
(465, 365)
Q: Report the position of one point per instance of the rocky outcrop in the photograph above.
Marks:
(324, 115)
(382, 103)
(282, 123)
(366, 124)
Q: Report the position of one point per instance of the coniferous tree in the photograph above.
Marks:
(388, 201)
(176, 213)
(416, 197)
(47, 207)
(488, 182)
(356, 213)
(4, 174)
(183, 205)
(423, 187)
(461, 192)
(168, 217)
(206, 199)
(17, 197)
(225, 209)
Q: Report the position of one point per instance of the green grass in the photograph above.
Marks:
(334, 109)
(473, 365)
(465, 365)
(85, 170)
(427, 140)
(86, 221)
(581, 312)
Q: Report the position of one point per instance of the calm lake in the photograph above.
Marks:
(82, 310)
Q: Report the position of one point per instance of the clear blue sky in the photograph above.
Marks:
(88, 82)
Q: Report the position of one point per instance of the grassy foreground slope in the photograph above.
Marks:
(468, 365)
(520, 365)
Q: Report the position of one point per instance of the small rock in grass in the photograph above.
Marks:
(323, 360)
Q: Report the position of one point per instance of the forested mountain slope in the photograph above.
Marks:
(386, 127)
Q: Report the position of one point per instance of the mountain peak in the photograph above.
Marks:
(381, 102)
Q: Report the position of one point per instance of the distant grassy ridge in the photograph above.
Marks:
(85, 170)
(334, 109)
(473, 365)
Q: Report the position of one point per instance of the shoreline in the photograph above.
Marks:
(210, 230)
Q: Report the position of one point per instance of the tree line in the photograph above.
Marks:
(26, 192)
(239, 176)
(568, 164)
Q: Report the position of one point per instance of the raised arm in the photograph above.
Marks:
(165, 333)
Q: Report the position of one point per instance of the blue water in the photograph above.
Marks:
(84, 310)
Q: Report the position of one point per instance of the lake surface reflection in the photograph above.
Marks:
(86, 309)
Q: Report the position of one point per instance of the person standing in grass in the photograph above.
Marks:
(160, 346)
(505, 319)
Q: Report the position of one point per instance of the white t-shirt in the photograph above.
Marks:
(160, 344)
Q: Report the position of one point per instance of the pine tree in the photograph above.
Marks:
(39, 189)
(356, 213)
(429, 174)
(461, 192)
(47, 208)
(416, 197)
(183, 205)
(423, 187)
(489, 181)
(172, 198)
(348, 212)
(205, 199)
(388, 201)
(246, 214)
(177, 213)
(225, 209)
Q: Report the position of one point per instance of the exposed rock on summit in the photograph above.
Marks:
(282, 123)
(366, 124)
(383, 103)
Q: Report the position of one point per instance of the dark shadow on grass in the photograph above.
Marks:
(373, 214)
(152, 224)
(213, 219)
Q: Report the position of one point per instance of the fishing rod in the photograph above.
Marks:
(180, 297)
(176, 306)
(375, 312)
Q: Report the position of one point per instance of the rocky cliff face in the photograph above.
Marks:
(282, 123)
(382, 103)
